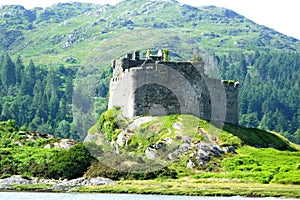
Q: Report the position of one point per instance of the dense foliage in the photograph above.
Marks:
(41, 97)
(23, 154)
(270, 92)
(70, 164)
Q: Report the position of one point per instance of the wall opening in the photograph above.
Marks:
(155, 99)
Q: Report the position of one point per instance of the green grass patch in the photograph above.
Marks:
(196, 187)
(264, 165)
(259, 138)
(32, 187)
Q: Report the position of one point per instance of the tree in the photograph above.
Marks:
(29, 79)
(53, 107)
(19, 69)
(64, 129)
(297, 136)
(68, 90)
(8, 72)
(249, 120)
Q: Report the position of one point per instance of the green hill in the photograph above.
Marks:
(164, 147)
(89, 32)
(186, 146)
(79, 40)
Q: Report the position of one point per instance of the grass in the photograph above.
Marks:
(259, 138)
(196, 187)
(32, 187)
(252, 171)
(259, 166)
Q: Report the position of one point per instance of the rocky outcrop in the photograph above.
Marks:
(55, 185)
(14, 180)
(147, 137)
(53, 143)
(64, 143)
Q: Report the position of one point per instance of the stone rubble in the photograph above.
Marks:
(57, 185)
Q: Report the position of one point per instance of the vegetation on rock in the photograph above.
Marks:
(191, 147)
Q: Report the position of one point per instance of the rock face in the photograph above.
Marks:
(14, 180)
(61, 185)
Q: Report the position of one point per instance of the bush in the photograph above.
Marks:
(110, 123)
(144, 171)
(70, 164)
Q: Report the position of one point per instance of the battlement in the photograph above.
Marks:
(133, 62)
(156, 86)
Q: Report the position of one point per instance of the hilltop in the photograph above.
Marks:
(88, 33)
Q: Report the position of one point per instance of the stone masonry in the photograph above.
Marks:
(156, 86)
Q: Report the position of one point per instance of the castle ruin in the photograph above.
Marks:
(156, 86)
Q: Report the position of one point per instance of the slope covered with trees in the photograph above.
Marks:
(41, 97)
(269, 98)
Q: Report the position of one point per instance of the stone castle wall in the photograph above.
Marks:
(152, 87)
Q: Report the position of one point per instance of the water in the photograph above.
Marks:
(77, 196)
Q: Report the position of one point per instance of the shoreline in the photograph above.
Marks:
(183, 186)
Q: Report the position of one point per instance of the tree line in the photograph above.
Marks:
(40, 97)
(269, 93)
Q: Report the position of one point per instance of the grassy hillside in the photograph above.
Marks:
(191, 147)
(83, 31)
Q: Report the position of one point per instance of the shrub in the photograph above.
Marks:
(70, 164)
(110, 121)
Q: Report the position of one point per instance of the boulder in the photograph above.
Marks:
(98, 138)
(5, 187)
(185, 147)
(150, 153)
(101, 181)
(14, 180)
(177, 126)
(168, 140)
(121, 140)
(57, 185)
(66, 143)
(229, 149)
(190, 164)
(159, 145)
